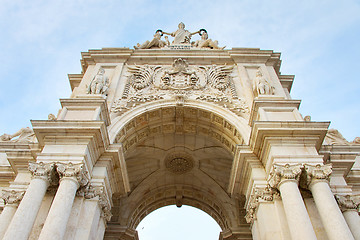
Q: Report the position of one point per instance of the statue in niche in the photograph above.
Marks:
(99, 84)
(25, 135)
(262, 85)
(156, 42)
(205, 42)
(181, 36)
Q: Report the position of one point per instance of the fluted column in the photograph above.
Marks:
(349, 206)
(286, 179)
(71, 177)
(21, 224)
(12, 199)
(329, 211)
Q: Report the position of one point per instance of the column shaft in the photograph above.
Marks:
(6, 215)
(296, 214)
(353, 220)
(329, 211)
(21, 225)
(56, 221)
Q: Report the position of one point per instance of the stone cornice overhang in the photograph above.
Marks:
(198, 56)
(93, 134)
(19, 155)
(256, 56)
(294, 132)
(279, 103)
(343, 158)
(108, 55)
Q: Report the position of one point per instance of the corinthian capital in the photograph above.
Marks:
(99, 193)
(12, 196)
(43, 171)
(281, 173)
(347, 202)
(317, 172)
(74, 171)
(260, 194)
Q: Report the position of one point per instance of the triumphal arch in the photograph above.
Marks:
(179, 120)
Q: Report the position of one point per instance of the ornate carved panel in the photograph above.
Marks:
(180, 82)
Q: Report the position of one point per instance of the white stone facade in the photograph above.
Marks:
(180, 123)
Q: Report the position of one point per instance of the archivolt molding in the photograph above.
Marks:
(239, 125)
(166, 196)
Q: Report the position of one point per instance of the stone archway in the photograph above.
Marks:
(179, 155)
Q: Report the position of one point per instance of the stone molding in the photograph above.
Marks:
(97, 193)
(72, 171)
(259, 195)
(281, 173)
(12, 196)
(317, 172)
(44, 171)
(348, 202)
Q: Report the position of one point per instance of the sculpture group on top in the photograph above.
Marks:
(182, 37)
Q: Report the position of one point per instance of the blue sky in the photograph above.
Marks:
(41, 42)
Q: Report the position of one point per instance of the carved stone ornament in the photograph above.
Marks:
(70, 170)
(91, 192)
(262, 85)
(12, 196)
(44, 171)
(356, 140)
(348, 202)
(179, 162)
(317, 172)
(99, 84)
(182, 40)
(260, 194)
(334, 137)
(280, 173)
(25, 135)
(180, 82)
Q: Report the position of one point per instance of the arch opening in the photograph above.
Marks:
(171, 222)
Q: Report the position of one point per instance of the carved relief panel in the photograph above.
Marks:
(180, 82)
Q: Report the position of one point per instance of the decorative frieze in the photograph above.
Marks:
(75, 171)
(281, 173)
(12, 196)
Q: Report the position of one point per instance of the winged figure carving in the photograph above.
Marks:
(219, 76)
(141, 76)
